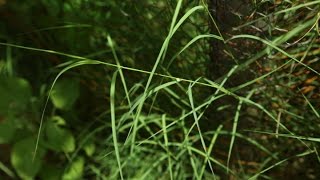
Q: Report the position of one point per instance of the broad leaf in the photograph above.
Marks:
(89, 148)
(75, 171)
(7, 130)
(64, 93)
(22, 158)
(59, 138)
(15, 93)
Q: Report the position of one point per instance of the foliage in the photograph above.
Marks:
(21, 158)
(159, 89)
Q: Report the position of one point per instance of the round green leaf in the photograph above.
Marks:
(7, 130)
(75, 171)
(64, 93)
(89, 148)
(22, 158)
(59, 138)
(15, 94)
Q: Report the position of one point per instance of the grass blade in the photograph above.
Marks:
(113, 121)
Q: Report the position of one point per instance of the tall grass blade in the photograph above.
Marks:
(113, 121)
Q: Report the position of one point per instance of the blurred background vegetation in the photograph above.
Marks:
(159, 89)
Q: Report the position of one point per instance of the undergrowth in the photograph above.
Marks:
(130, 91)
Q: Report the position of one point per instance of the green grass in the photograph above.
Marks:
(160, 119)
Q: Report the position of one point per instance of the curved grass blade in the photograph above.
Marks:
(113, 121)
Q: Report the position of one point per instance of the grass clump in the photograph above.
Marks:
(160, 90)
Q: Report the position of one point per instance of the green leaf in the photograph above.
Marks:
(15, 94)
(64, 93)
(75, 170)
(89, 148)
(58, 137)
(7, 130)
(21, 158)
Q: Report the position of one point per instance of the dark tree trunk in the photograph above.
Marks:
(227, 15)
